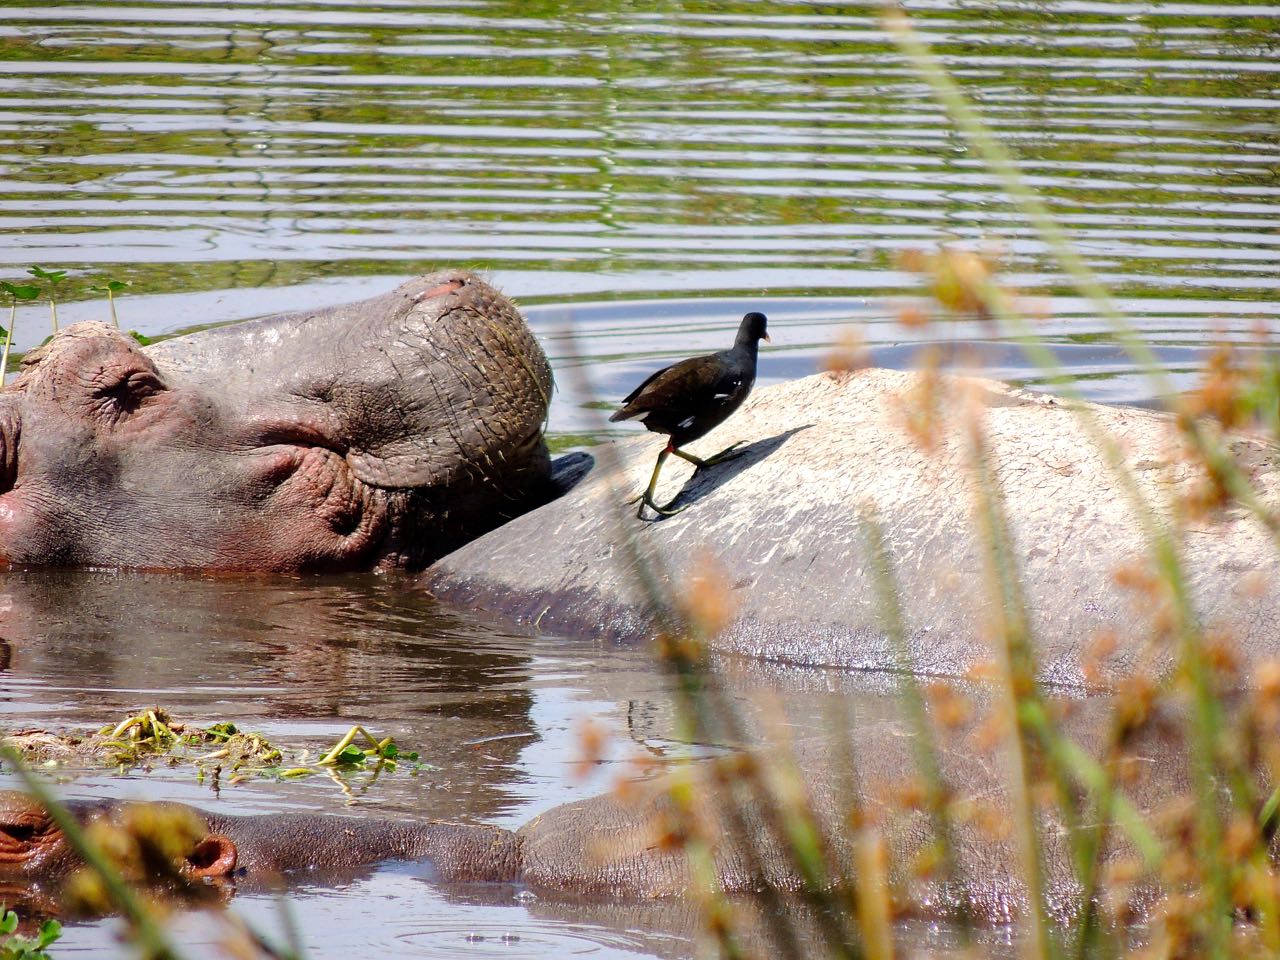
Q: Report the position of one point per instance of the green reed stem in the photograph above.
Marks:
(924, 749)
(1016, 682)
(699, 706)
(8, 341)
(1205, 727)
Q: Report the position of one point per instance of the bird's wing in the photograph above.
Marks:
(650, 379)
(685, 382)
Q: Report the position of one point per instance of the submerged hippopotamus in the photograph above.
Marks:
(599, 847)
(784, 524)
(381, 433)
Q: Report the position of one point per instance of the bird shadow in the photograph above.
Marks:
(706, 482)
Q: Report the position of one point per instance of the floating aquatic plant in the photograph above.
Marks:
(153, 736)
(17, 292)
(15, 946)
(110, 287)
(52, 278)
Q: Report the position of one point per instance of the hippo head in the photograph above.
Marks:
(33, 848)
(383, 433)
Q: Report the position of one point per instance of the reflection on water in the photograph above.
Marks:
(284, 142)
(300, 659)
(767, 148)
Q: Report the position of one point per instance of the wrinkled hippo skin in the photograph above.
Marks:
(784, 527)
(597, 847)
(377, 434)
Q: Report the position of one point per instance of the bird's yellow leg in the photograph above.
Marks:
(646, 498)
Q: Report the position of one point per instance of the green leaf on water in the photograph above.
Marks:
(221, 731)
(49, 276)
(50, 931)
(351, 754)
(16, 947)
(20, 291)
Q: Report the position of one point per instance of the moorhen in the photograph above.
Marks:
(688, 399)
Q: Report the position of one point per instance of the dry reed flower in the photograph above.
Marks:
(991, 731)
(1266, 681)
(1241, 837)
(684, 648)
(919, 408)
(707, 603)
(1221, 393)
(626, 787)
(912, 316)
(993, 821)
(1221, 654)
(984, 671)
(148, 844)
(1136, 577)
(593, 738)
(1096, 653)
(949, 708)
(1135, 698)
(849, 353)
(958, 279)
(927, 860)
(911, 794)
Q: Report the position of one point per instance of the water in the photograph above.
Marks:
(638, 175)
(591, 156)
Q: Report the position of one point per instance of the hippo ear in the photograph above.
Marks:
(214, 856)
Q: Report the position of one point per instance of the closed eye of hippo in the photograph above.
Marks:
(23, 833)
(118, 393)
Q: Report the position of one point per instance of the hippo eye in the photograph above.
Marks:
(125, 394)
(22, 832)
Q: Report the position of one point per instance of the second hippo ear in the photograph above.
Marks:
(214, 856)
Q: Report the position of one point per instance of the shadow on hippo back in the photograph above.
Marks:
(377, 434)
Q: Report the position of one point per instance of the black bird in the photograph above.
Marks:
(688, 399)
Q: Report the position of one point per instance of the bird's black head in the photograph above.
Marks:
(754, 329)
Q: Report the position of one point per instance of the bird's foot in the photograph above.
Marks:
(647, 501)
(730, 452)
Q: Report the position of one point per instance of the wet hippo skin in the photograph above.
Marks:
(377, 434)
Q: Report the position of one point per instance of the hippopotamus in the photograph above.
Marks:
(553, 853)
(373, 435)
(783, 530)
(626, 844)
